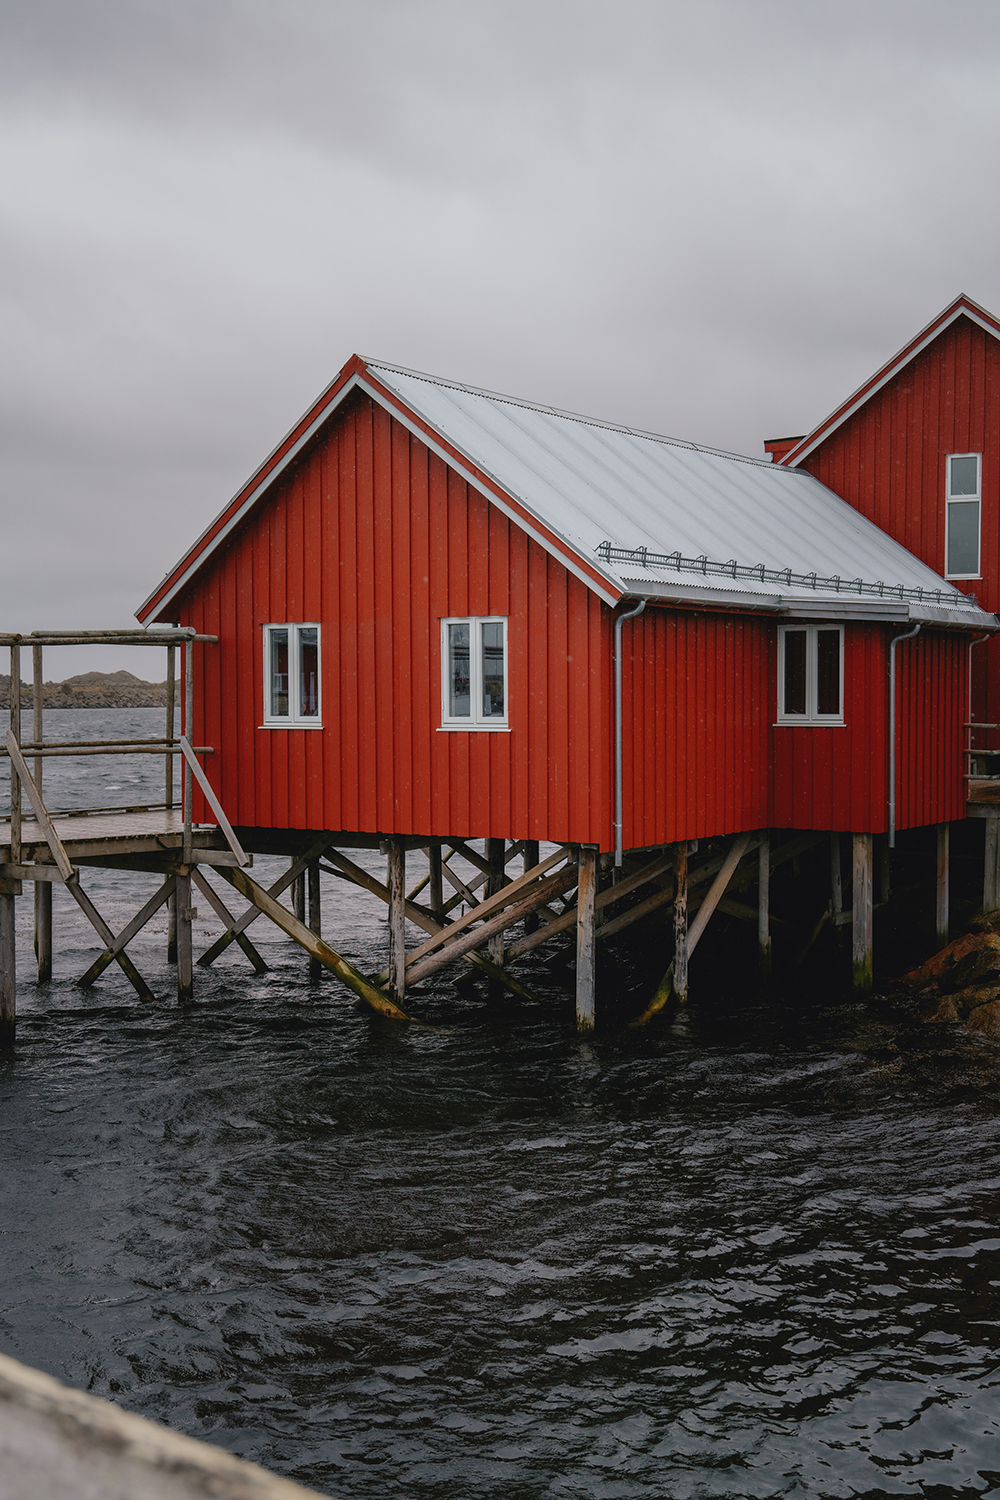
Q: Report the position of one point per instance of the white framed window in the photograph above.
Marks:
(963, 505)
(291, 677)
(474, 672)
(811, 674)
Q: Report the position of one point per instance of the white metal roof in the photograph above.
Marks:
(591, 482)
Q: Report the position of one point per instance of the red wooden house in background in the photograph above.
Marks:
(426, 597)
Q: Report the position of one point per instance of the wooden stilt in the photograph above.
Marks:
(836, 877)
(436, 892)
(764, 906)
(8, 973)
(991, 865)
(185, 944)
(862, 919)
(496, 850)
(680, 975)
(396, 882)
(884, 870)
(299, 896)
(315, 914)
(172, 928)
(43, 930)
(942, 905)
(586, 939)
(531, 858)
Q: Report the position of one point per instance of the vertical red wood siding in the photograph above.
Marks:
(930, 710)
(374, 537)
(836, 777)
(698, 697)
(888, 461)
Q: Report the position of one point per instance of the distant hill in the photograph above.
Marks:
(92, 690)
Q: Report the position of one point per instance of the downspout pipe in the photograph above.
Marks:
(908, 635)
(619, 622)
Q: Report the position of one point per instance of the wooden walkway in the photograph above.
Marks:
(101, 834)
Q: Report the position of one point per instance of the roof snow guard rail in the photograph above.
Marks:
(732, 569)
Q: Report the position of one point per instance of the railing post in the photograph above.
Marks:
(188, 783)
(43, 888)
(15, 729)
(171, 721)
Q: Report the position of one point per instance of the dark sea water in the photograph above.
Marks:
(752, 1252)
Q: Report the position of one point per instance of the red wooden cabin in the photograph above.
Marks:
(419, 599)
(916, 449)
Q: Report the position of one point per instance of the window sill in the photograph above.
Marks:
(963, 577)
(473, 729)
(809, 724)
(290, 724)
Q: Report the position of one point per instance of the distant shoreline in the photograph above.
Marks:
(92, 690)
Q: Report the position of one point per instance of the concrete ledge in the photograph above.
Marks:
(60, 1444)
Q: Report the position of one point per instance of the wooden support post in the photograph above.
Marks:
(496, 850)
(680, 976)
(586, 938)
(299, 896)
(884, 870)
(764, 906)
(43, 888)
(315, 914)
(836, 877)
(396, 883)
(436, 892)
(991, 865)
(43, 930)
(862, 901)
(185, 944)
(15, 780)
(531, 858)
(172, 928)
(942, 906)
(8, 973)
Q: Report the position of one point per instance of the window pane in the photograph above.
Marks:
(493, 706)
(964, 476)
(459, 688)
(963, 537)
(828, 671)
(309, 672)
(278, 673)
(795, 672)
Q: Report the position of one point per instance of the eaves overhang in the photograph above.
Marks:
(962, 307)
(356, 377)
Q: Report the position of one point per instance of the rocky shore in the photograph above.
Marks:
(961, 984)
(92, 690)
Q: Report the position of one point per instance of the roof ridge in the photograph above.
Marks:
(569, 416)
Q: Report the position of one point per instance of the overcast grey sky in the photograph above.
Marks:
(712, 219)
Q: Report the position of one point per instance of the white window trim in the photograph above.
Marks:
(950, 499)
(293, 719)
(810, 719)
(474, 724)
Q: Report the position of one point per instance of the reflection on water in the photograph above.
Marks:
(753, 1253)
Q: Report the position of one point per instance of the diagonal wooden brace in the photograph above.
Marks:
(422, 918)
(314, 946)
(126, 935)
(222, 911)
(292, 873)
(96, 921)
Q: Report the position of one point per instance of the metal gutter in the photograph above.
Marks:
(619, 622)
(892, 727)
